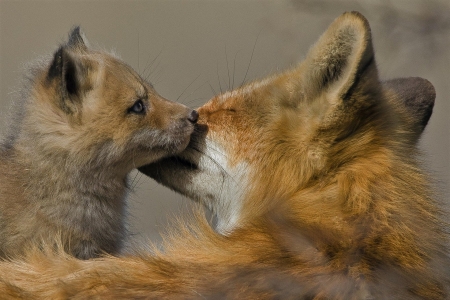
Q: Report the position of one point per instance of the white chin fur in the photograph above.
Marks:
(224, 190)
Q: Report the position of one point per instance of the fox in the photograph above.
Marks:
(315, 179)
(84, 121)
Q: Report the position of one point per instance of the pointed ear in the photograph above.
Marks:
(337, 62)
(77, 40)
(413, 99)
(69, 74)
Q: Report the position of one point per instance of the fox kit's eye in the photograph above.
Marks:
(138, 107)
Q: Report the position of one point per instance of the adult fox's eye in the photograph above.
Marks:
(138, 107)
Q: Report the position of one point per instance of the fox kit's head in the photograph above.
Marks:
(298, 130)
(93, 108)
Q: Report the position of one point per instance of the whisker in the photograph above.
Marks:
(149, 65)
(234, 69)
(157, 76)
(138, 52)
(222, 169)
(218, 78)
(212, 89)
(188, 87)
(156, 73)
(194, 101)
(132, 186)
(228, 69)
(203, 84)
(209, 157)
(139, 178)
(251, 58)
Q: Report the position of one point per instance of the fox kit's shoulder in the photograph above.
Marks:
(314, 178)
(85, 121)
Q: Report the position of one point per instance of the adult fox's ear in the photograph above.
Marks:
(69, 75)
(77, 40)
(341, 62)
(413, 100)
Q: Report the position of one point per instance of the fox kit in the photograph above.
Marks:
(85, 120)
(314, 177)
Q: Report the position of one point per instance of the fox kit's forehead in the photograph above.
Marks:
(119, 74)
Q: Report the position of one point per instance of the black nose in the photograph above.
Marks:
(193, 116)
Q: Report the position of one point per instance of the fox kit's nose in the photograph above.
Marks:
(193, 116)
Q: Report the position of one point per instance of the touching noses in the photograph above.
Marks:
(193, 116)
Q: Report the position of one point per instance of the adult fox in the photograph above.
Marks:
(314, 177)
(84, 121)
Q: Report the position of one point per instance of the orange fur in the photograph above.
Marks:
(315, 179)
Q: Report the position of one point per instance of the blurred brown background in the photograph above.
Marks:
(191, 50)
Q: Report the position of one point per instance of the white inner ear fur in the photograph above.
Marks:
(333, 62)
(223, 187)
(347, 77)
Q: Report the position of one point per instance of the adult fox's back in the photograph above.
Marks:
(314, 177)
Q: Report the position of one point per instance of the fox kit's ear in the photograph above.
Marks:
(69, 75)
(337, 62)
(413, 99)
(77, 40)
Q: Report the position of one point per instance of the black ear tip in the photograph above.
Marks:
(425, 91)
(417, 95)
(76, 38)
(429, 87)
(427, 99)
(76, 31)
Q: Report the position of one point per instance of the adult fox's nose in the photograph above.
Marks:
(193, 116)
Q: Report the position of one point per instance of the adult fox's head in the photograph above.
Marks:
(314, 179)
(318, 126)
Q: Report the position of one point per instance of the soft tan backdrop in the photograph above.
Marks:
(193, 49)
